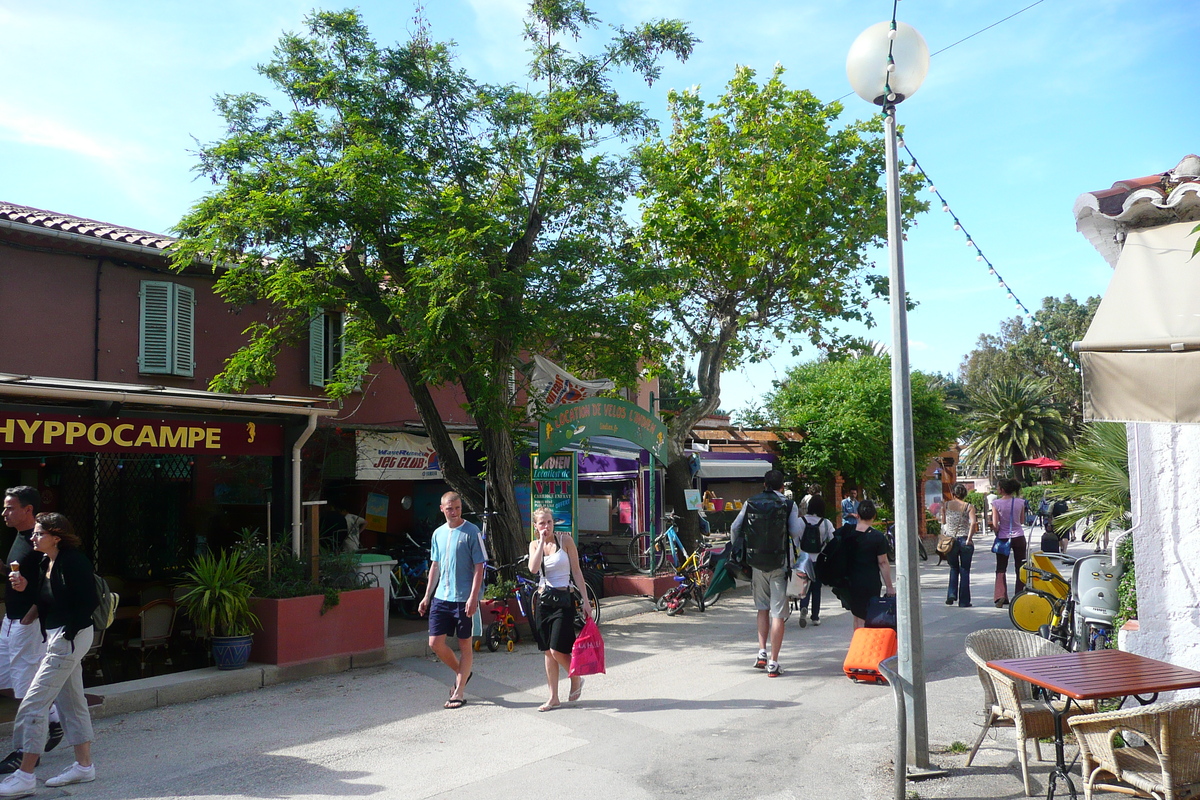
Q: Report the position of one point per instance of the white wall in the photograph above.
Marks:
(1164, 478)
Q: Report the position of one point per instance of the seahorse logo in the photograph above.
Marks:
(251, 428)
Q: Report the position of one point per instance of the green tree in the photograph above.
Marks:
(460, 226)
(1023, 350)
(1099, 487)
(758, 214)
(843, 410)
(1012, 419)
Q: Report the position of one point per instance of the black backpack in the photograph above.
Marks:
(833, 565)
(810, 540)
(765, 531)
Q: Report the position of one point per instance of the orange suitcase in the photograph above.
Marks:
(868, 647)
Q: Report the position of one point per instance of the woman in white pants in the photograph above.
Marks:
(65, 592)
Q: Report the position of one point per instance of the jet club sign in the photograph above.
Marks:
(68, 433)
(393, 456)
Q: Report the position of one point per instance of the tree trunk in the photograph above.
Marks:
(507, 538)
(679, 477)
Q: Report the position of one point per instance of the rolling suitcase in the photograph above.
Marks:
(868, 647)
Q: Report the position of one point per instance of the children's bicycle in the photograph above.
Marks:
(692, 578)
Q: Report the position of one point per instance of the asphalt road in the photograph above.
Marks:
(681, 713)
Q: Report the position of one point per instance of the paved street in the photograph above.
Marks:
(681, 714)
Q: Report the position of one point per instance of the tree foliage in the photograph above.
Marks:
(461, 226)
(1018, 350)
(843, 411)
(1099, 488)
(758, 213)
(1013, 419)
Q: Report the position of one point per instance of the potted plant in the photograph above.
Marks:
(217, 598)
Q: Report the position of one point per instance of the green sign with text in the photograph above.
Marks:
(600, 416)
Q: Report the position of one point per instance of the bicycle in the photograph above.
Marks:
(409, 579)
(526, 594)
(592, 556)
(667, 546)
(1046, 606)
(693, 577)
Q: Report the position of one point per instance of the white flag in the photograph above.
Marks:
(553, 385)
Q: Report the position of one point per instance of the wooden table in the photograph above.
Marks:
(1094, 675)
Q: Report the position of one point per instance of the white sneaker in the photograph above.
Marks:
(18, 784)
(74, 774)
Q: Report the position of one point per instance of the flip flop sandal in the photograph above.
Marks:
(548, 707)
(456, 702)
(575, 695)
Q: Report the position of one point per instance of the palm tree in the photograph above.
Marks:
(1012, 419)
(1099, 488)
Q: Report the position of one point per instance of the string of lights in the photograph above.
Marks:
(1029, 316)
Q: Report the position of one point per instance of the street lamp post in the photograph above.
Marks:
(887, 64)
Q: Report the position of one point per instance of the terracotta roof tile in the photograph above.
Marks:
(1105, 215)
(81, 226)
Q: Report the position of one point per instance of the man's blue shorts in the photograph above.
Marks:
(446, 618)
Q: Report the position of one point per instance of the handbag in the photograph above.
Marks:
(881, 612)
(1002, 547)
(945, 543)
(587, 656)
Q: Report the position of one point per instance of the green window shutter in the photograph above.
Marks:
(183, 336)
(316, 348)
(154, 332)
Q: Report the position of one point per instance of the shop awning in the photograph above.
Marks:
(595, 467)
(733, 466)
(1141, 355)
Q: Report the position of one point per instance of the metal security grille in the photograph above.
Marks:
(137, 507)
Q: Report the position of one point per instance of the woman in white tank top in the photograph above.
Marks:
(556, 560)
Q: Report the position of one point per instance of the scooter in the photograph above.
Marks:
(1094, 580)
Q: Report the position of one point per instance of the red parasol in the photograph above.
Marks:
(1040, 461)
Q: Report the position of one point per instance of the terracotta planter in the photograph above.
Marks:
(294, 630)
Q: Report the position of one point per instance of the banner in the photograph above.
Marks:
(602, 417)
(392, 456)
(377, 512)
(555, 486)
(553, 385)
(71, 433)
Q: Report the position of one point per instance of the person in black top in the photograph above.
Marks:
(21, 644)
(64, 589)
(869, 567)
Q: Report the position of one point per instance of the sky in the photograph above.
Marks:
(106, 101)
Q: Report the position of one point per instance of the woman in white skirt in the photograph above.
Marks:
(64, 590)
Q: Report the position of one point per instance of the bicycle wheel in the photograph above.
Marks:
(639, 553)
(698, 596)
(491, 636)
(1031, 609)
(595, 601)
(1098, 636)
(661, 603)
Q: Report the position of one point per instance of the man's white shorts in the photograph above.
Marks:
(21, 651)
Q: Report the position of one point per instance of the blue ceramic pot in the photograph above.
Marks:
(231, 652)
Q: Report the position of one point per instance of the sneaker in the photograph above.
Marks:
(74, 774)
(816, 621)
(803, 617)
(56, 736)
(773, 670)
(18, 784)
(12, 762)
(759, 663)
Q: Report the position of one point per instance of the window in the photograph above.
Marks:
(167, 327)
(326, 332)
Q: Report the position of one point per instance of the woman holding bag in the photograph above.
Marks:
(555, 558)
(959, 522)
(1008, 511)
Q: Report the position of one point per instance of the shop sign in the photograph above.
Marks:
(602, 417)
(377, 512)
(69, 433)
(390, 456)
(555, 486)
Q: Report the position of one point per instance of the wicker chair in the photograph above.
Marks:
(1008, 702)
(1168, 764)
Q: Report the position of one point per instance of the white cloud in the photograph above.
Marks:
(20, 126)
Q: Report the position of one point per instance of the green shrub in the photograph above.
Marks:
(289, 576)
(979, 500)
(1127, 587)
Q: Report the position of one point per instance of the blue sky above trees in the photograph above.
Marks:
(1012, 125)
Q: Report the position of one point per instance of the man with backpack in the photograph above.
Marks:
(767, 535)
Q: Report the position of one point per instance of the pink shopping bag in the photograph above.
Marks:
(587, 656)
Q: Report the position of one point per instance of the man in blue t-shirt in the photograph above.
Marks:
(452, 594)
(850, 508)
